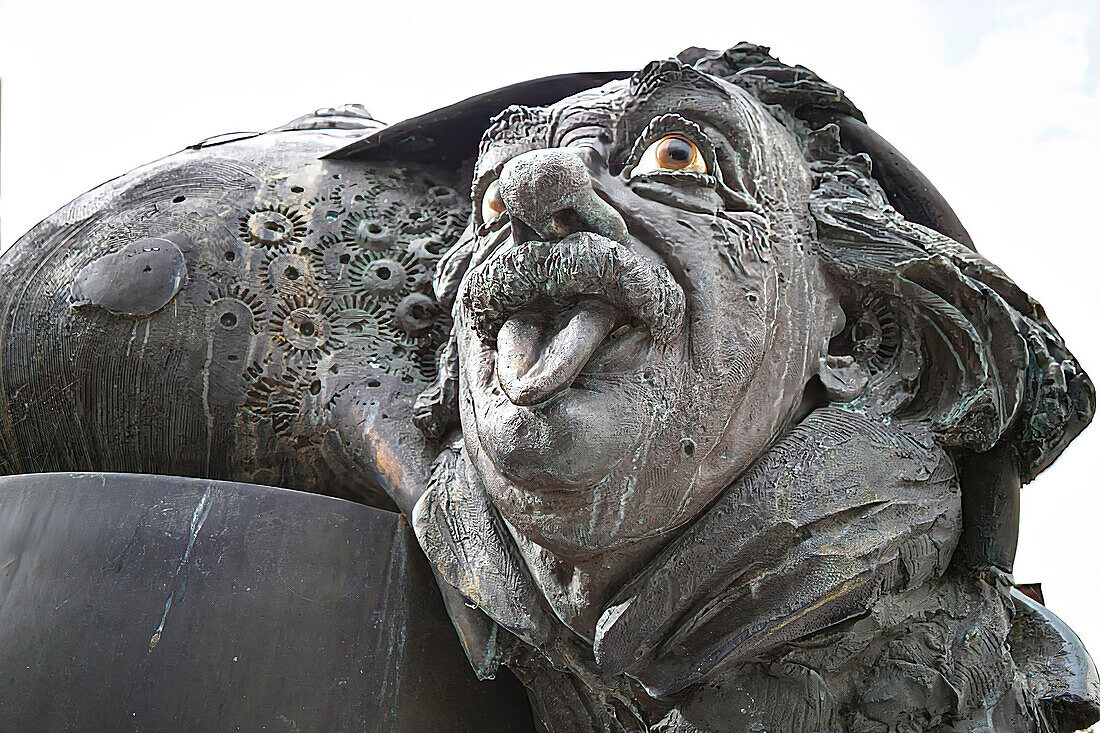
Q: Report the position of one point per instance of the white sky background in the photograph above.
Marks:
(997, 102)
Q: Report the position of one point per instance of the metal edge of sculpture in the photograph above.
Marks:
(708, 417)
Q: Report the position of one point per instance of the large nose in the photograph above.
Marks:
(550, 191)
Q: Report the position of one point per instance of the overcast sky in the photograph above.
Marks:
(997, 102)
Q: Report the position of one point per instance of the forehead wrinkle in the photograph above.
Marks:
(593, 109)
(687, 97)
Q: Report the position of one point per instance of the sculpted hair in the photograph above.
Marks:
(943, 335)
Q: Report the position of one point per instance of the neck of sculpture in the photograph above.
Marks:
(579, 589)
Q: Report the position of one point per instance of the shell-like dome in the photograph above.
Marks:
(222, 312)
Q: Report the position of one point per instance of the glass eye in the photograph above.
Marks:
(671, 153)
(492, 205)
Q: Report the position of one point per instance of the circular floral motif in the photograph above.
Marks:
(274, 227)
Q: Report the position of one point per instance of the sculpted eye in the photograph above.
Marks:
(492, 205)
(671, 153)
(673, 150)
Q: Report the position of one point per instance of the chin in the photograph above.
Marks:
(618, 513)
(551, 503)
(568, 444)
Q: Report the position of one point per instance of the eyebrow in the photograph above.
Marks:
(514, 124)
(517, 127)
(589, 112)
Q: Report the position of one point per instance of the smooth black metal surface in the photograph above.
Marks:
(450, 134)
(152, 603)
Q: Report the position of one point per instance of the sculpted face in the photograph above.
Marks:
(658, 492)
(644, 308)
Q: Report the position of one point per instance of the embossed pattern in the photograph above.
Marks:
(300, 274)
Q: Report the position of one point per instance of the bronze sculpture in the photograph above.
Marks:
(727, 432)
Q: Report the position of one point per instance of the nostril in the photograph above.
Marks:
(522, 233)
(566, 222)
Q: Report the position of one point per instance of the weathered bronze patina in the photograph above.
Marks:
(701, 403)
(742, 435)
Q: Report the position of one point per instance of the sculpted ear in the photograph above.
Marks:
(946, 338)
(843, 378)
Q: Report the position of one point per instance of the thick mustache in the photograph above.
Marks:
(582, 264)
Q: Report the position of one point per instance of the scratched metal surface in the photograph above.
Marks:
(152, 603)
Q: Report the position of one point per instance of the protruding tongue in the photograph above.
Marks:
(538, 355)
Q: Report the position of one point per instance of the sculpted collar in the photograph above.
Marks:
(839, 512)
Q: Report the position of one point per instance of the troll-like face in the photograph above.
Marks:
(644, 308)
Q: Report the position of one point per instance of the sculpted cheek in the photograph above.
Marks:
(729, 327)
